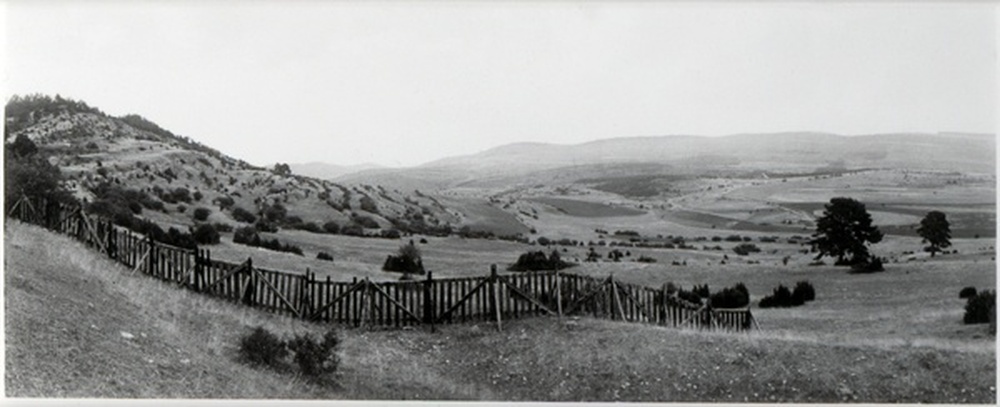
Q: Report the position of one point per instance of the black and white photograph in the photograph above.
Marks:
(574, 202)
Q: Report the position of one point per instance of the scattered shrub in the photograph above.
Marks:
(206, 234)
(731, 297)
(243, 215)
(967, 292)
(247, 235)
(645, 259)
(315, 358)
(744, 249)
(780, 298)
(223, 227)
(406, 260)
(978, 308)
(324, 256)
(331, 227)
(181, 208)
(533, 261)
(803, 291)
(701, 290)
(366, 222)
(201, 214)
(262, 348)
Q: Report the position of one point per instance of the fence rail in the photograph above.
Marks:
(492, 298)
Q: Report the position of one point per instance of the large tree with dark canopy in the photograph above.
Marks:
(844, 231)
(936, 231)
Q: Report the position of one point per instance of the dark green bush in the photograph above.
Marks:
(978, 307)
(871, 265)
(316, 358)
(967, 292)
(331, 227)
(407, 260)
(537, 260)
(201, 214)
(206, 234)
(262, 348)
(744, 249)
(780, 298)
(243, 215)
(324, 256)
(645, 259)
(731, 297)
(223, 227)
(803, 291)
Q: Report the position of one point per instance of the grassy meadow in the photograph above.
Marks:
(888, 337)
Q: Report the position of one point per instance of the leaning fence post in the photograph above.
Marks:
(559, 300)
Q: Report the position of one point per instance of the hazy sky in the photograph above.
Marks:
(402, 84)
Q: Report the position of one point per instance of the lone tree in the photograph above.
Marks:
(844, 230)
(934, 228)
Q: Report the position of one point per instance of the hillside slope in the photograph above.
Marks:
(94, 149)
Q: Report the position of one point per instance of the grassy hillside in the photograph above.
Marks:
(68, 309)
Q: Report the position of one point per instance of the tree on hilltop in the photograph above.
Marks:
(935, 230)
(844, 230)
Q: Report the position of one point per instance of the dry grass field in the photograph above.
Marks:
(888, 337)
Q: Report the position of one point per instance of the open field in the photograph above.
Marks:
(860, 341)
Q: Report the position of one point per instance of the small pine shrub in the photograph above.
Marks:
(780, 298)
(646, 259)
(537, 260)
(702, 291)
(324, 256)
(206, 234)
(223, 227)
(803, 292)
(978, 307)
(331, 227)
(262, 348)
(243, 215)
(201, 214)
(316, 358)
(406, 260)
(744, 249)
(731, 297)
(967, 292)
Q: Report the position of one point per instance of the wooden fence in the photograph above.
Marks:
(492, 298)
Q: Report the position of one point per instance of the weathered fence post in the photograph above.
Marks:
(305, 303)
(429, 300)
(559, 300)
(248, 293)
(495, 295)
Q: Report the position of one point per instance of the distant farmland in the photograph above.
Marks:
(585, 209)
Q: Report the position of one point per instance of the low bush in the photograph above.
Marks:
(243, 215)
(780, 298)
(223, 227)
(744, 249)
(248, 235)
(645, 259)
(406, 260)
(978, 308)
(262, 348)
(967, 292)
(324, 256)
(206, 234)
(731, 297)
(701, 290)
(803, 291)
(537, 260)
(331, 227)
(201, 214)
(315, 358)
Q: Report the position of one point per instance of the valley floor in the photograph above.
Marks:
(79, 325)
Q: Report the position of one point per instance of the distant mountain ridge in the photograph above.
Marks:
(324, 170)
(795, 151)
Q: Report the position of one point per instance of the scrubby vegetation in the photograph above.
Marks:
(744, 249)
(782, 297)
(324, 256)
(206, 234)
(981, 308)
(537, 260)
(736, 296)
(967, 292)
(313, 358)
(407, 260)
(248, 236)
